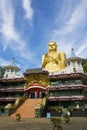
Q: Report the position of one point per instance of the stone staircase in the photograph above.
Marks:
(27, 109)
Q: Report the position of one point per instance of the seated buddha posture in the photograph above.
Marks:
(53, 60)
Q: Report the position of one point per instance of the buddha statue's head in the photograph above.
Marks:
(52, 46)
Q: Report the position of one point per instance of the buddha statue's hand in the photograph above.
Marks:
(55, 60)
(50, 59)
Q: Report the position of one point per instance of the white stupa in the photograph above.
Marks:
(74, 63)
(12, 71)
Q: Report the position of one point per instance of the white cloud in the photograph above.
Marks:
(82, 47)
(77, 17)
(64, 46)
(11, 38)
(4, 62)
(28, 9)
(7, 27)
(73, 28)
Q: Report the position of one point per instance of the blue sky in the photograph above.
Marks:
(27, 26)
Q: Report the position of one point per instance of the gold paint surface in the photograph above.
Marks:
(53, 60)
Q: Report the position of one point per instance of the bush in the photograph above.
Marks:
(18, 116)
(66, 118)
(56, 120)
(56, 123)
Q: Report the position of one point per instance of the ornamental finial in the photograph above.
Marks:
(12, 61)
(73, 53)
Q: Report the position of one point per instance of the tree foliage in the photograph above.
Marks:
(1, 72)
(84, 64)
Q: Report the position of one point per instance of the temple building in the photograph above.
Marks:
(56, 87)
(11, 85)
(60, 79)
(66, 87)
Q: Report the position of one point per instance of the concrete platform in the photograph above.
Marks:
(8, 123)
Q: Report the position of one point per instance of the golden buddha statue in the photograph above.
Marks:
(53, 60)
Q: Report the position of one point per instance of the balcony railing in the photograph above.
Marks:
(11, 89)
(8, 99)
(11, 86)
(53, 98)
(60, 87)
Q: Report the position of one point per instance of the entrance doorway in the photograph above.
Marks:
(32, 95)
(35, 91)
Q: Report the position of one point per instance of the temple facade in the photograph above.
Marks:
(62, 88)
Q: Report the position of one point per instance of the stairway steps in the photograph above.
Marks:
(27, 109)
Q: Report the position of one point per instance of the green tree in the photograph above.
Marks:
(84, 64)
(1, 72)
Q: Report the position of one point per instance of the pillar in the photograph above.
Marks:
(27, 94)
(37, 94)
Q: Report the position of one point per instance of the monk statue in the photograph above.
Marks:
(53, 60)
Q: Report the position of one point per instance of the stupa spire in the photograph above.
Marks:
(73, 53)
(12, 61)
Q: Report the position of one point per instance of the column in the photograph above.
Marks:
(27, 94)
(37, 94)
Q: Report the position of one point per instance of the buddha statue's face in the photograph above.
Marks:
(52, 46)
